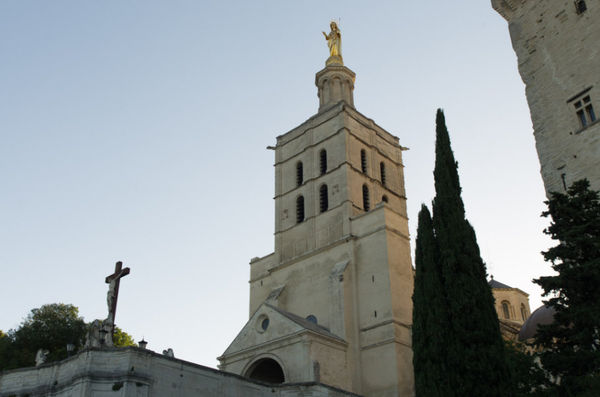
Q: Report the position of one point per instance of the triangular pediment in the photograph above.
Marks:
(269, 323)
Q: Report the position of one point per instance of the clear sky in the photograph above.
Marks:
(136, 131)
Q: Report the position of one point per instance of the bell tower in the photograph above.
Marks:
(332, 303)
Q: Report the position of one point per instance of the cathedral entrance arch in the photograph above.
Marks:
(266, 369)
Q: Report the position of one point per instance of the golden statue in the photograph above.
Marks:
(334, 42)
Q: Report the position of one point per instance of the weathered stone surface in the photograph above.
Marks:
(346, 266)
(335, 83)
(558, 51)
(134, 372)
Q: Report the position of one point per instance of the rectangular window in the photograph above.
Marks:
(585, 111)
(589, 109)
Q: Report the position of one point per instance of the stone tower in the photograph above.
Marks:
(512, 307)
(558, 50)
(332, 303)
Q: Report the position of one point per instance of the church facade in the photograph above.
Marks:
(557, 45)
(333, 303)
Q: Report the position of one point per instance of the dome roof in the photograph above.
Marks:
(542, 315)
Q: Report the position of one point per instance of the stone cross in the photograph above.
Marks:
(113, 282)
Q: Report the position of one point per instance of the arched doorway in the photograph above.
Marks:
(266, 370)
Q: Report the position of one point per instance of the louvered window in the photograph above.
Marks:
(300, 209)
(365, 191)
(323, 161)
(363, 161)
(299, 173)
(323, 199)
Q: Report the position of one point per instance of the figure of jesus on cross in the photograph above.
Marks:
(113, 282)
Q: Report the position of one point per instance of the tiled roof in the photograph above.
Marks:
(497, 284)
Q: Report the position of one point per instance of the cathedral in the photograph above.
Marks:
(333, 302)
(330, 309)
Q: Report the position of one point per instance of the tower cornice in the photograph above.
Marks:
(332, 112)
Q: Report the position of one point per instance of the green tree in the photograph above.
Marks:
(571, 344)
(429, 315)
(476, 363)
(122, 338)
(50, 327)
(5, 349)
(526, 374)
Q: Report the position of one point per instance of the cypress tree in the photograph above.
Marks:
(476, 364)
(429, 316)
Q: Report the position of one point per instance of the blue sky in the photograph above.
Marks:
(136, 131)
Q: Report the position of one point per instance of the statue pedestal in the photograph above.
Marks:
(335, 83)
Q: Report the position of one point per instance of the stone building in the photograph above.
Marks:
(557, 45)
(330, 308)
(512, 307)
(135, 372)
(332, 303)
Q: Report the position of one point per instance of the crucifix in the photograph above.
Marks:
(113, 282)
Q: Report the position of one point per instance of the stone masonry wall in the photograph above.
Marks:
(133, 372)
(558, 51)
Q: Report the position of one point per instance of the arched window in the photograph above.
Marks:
(299, 173)
(384, 198)
(300, 209)
(382, 172)
(523, 312)
(323, 161)
(365, 190)
(505, 310)
(323, 198)
(363, 161)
